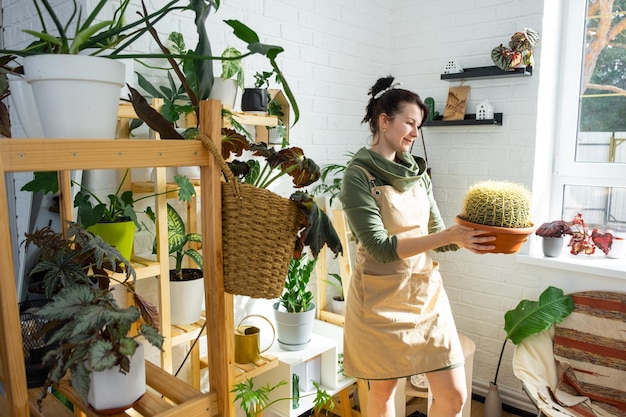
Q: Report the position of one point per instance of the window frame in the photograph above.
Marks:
(555, 166)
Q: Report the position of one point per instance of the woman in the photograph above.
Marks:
(398, 318)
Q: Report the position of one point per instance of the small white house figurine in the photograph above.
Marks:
(452, 67)
(484, 110)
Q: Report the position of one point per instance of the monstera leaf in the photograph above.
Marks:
(530, 317)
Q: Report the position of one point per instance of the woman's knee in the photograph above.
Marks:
(383, 390)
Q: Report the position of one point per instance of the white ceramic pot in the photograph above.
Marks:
(25, 106)
(191, 172)
(225, 91)
(294, 330)
(552, 246)
(339, 306)
(112, 391)
(186, 299)
(77, 96)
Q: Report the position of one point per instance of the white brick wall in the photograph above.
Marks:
(334, 51)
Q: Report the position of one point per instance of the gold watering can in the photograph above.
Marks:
(248, 342)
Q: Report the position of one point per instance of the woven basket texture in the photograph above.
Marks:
(259, 231)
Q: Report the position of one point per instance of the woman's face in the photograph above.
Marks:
(399, 133)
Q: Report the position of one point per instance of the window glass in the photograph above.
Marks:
(602, 104)
(601, 207)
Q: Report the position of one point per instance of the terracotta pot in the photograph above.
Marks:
(508, 240)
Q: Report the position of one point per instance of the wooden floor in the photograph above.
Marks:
(421, 404)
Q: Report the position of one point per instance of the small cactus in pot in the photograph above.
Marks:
(499, 207)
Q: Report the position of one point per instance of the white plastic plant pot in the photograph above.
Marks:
(112, 391)
(25, 106)
(76, 96)
(186, 299)
(225, 91)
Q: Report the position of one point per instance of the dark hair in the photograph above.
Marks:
(389, 102)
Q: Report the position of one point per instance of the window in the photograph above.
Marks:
(590, 169)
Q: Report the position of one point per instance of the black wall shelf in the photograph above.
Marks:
(470, 119)
(488, 72)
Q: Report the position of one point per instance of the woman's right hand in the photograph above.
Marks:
(471, 239)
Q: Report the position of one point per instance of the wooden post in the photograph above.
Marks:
(13, 369)
(219, 305)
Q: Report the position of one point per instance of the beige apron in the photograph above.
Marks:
(398, 318)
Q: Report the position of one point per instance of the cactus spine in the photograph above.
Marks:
(497, 203)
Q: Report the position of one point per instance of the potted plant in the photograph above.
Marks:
(254, 401)
(225, 87)
(585, 241)
(53, 64)
(88, 332)
(528, 318)
(500, 208)
(339, 302)
(186, 284)
(295, 310)
(311, 227)
(552, 234)
(196, 71)
(255, 99)
(115, 220)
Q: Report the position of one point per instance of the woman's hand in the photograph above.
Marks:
(471, 239)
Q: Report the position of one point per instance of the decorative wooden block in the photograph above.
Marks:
(456, 103)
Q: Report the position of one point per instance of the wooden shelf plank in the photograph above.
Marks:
(487, 72)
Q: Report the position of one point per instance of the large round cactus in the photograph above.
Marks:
(497, 203)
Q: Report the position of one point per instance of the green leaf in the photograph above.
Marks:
(81, 380)
(195, 255)
(530, 317)
(46, 181)
(186, 189)
(152, 335)
(101, 355)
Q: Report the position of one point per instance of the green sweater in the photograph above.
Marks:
(360, 207)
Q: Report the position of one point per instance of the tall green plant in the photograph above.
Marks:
(297, 297)
(254, 401)
(178, 240)
(530, 317)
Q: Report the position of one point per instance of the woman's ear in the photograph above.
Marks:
(383, 121)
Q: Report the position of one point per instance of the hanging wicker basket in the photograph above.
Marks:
(259, 232)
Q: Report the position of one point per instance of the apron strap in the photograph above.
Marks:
(371, 179)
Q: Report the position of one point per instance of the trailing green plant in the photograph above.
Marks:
(331, 176)
(254, 401)
(297, 297)
(120, 205)
(178, 240)
(262, 79)
(530, 317)
(337, 283)
(87, 331)
(497, 203)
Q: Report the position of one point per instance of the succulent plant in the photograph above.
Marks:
(497, 203)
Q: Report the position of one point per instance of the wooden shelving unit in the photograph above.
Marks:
(487, 72)
(64, 155)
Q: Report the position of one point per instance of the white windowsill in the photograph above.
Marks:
(596, 264)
